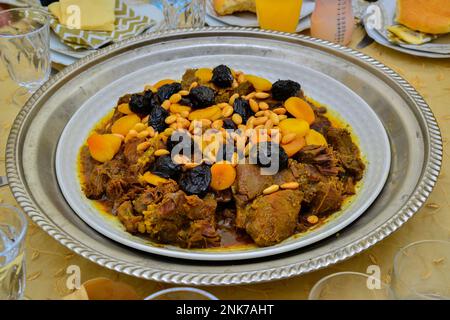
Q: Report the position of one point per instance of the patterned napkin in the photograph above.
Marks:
(127, 24)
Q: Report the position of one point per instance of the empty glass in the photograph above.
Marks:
(184, 13)
(350, 286)
(181, 293)
(24, 46)
(13, 225)
(422, 271)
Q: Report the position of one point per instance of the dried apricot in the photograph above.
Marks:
(298, 126)
(103, 147)
(222, 176)
(300, 109)
(315, 138)
(125, 124)
(260, 84)
(206, 113)
(204, 74)
(294, 146)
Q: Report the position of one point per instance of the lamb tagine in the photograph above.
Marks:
(174, 162)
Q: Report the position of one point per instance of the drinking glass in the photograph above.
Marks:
(184, 13)
(422, 271)
(24, 46)
(350, 286)
(281, 15)
(333, 21)
(182, 293)
(13, 226)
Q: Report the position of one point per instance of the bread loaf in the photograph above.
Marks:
(225, 7)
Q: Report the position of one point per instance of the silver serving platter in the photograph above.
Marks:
(416, 149)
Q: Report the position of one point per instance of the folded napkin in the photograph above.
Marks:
(95, 15)
(126, 25)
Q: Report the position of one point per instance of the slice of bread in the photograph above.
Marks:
(225, 7)
(429, 16)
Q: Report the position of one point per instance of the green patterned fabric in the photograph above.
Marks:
(127, 24)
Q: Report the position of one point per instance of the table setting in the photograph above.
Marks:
(102, 198)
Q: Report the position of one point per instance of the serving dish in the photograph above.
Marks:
(416, 150)
(370, 134)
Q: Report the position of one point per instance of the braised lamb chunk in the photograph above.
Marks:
(323, 158)
(347, 151)
(328, 197)
(272, 218)
(153, 194)
(321, 124)
(95, 185)
(126, 215)
(185, 220)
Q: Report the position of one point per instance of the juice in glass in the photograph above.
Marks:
(279, 15)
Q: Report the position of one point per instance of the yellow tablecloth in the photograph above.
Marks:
(47, 260)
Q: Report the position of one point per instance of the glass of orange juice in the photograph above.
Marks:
(279, 15)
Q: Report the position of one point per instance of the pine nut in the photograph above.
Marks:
(261, 126)
(235, 84)
(253, 105)
(269, 124)
(166, 104)
(241, 78)
(151, 131)
(250, 96)
(180, 159)
(168, 132)
(183, 93)
(290, 185)
(237, 119)
(217, 124)
(263, 105)
(143, 146)
(260, 120)
(282, 117)
(170, 119)
(288, 138)
(130, 135)
(262, 95)
(143, 134)
(233, 97)
(274, 118)
(312, 219)
(222, 105)
(161, 152)
(193, 85)
(175, 98)
(139, 127)
(273, 188)
(227, 111)
(279, 110)
(184, 114)
(174, 126)
(260, 113)
(206, 123)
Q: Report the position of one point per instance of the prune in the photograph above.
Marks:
(229, 124)
(185, 102)
(143, 104)
(267, 153)
(202, 97)
(222, 76)
(196, 181)
(167, 90)
(157, 118)
(242, 108)
(166, 168)
(284, 89)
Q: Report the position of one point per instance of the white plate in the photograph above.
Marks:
(384, 15)
(248, 19)
(371, 134)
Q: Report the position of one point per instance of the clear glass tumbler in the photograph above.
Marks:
(13, 226)
(350, 286)
(422, 271)
(24, 46)
(180, 14)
